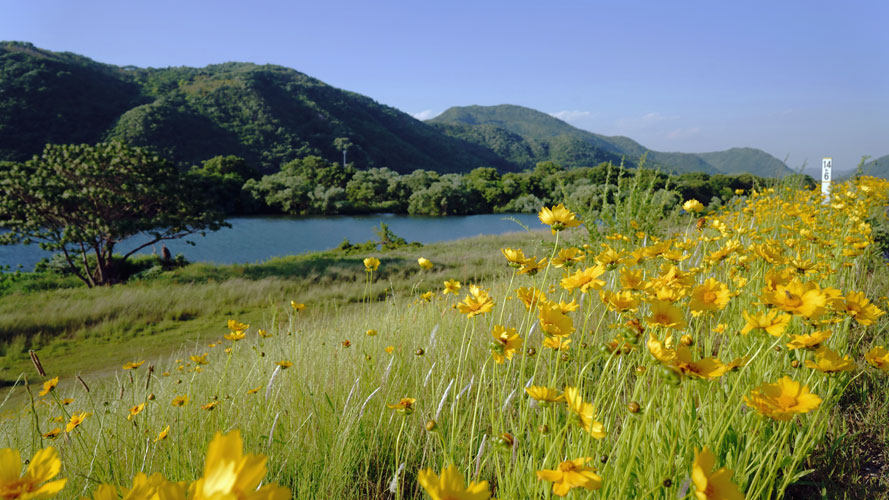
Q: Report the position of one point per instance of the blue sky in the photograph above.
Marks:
(800, 80)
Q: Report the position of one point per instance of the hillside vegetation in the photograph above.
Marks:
(270, 115)
(525, 136)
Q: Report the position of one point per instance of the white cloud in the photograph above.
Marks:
(425, 114)
(571, 115)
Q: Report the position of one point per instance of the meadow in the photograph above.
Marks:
(738, 352)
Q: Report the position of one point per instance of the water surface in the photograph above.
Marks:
(255, 239)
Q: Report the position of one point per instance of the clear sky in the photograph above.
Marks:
(800, 80)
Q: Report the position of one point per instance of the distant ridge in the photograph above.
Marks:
(269, 115)
(877, 168)
(526, 136)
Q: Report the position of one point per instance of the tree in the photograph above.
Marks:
(84, 200)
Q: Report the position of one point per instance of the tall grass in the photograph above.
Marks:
(325, 425)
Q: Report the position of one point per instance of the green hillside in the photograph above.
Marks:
(270, 115)
(526, 136)
(878, 167)
(265, 114)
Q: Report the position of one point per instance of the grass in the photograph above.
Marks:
(324, 422)
(84, 330)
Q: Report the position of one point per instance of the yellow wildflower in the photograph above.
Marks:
(711, 485)
(585, 279)
(828, 361)
(878, 357)
(35, 483)
(371, 264)
(782, 400)
(572, 474)
(132, 365)
(451, 485)
(451, 286)
(425, 263)
(773, 322)
(506, 343)
(229, 473)
(585, 413)
(49, 385)
(558, 218)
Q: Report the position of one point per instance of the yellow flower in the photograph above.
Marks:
(585, 279)
(514, 258)
(452, 486)
(136, 410)
(708, 368)
(451, 286)
(425, 263)
(180, 401)
(878, 357)
(572, 474)
(553, 321)
(297, 306)
(558, 218)
(405, 405)
(808, 339)
(711, 485)
(632, 279)
(859, 307)
(585, 413)
(229, 473)
(619, 301)
(782, 400)
(254, 390)
(568, 257)
(49, 385)
(426, 296)
(828, 361)
(201, 360)
(532, 266)
(262, 333)
(530, 296)
(557, 343)
(609, 258)
(210, 406)
(476, 303)
(235, 335)
(666, 315)
(797, 298)
(132, 365)
(389, 349)
(545, 395)
(162, 434)
(76, 420)
(692, 206)
(371, 264)
(44, 465)
(709, 296)
(284, 364)
(52, 434)
(237, 326)
(154, 487)
(371, 333)
(506, 343)
(773, 322)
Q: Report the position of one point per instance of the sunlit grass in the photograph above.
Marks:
(327, 403)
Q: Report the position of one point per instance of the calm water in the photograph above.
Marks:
(255, 239)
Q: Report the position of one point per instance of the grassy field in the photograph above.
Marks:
(608, 377)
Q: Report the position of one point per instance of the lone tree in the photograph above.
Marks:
(83, 200)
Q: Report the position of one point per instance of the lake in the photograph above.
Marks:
(255, 239)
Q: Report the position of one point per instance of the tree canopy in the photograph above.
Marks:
(84, 200)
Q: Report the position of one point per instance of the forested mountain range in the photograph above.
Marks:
(270, 115)
(526, 136)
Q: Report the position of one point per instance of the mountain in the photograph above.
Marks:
(526, 136)
(269, 115)
(877, 168)
(265, 114)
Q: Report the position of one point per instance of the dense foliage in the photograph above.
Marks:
(83, 200)
(270, 115)
(312, 185)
